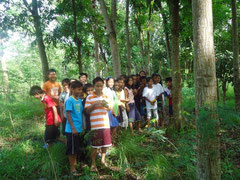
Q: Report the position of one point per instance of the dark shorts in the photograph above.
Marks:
(74, 144)
(101, 138)
(51, 133)
(170, 110)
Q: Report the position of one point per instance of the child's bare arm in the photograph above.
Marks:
(90, 108)
(56, 123)
(69, 118)
(61, 111)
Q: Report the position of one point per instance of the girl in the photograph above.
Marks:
(110, 93)
(133, 113)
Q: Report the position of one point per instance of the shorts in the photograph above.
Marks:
(74, 144)
(142, 110)
(170, 110)
(101, 138)
(51, 133)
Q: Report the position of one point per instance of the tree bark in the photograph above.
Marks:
(176, 71)
(77, 40)
(167, 39)
(39, 37)
(96, 45)
(110, 22)
(224, 89)
(235, 56)
(140, 33)
(208, 143)
(128, 39)
(148, 37)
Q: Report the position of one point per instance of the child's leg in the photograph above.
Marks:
(104, 150)
(93, 157)
(148, 117)
(131, 127)
(114, 131)
(72, 162)
(155, 112)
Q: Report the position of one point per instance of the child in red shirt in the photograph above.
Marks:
(52, 118)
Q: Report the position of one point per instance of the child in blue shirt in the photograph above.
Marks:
(74, 108)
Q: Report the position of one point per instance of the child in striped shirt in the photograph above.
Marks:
(98, 105)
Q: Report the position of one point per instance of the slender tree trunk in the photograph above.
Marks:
(128, 39)
(218, 93)
(39, 36)
(224, 89)
(148, 37)
(208, 143)
(103, 54)
(4, 70)
(77, 41)
(176, 71)
(110, 22)
(167, 39)
(235, 56)
(96, 44)
(140, 33)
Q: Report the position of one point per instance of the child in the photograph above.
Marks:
(74, 125)
(108, 91)
(168, 94)
(150, 96)
(133, 113)
(97, 105)
(62, 100)
(52, 118)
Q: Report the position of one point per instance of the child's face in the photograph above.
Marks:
(77, 92)
(169, 84)
(143, 82)
(83, 79)
(158, 79)
(52, 76)
(38, 96)
(116, 86)
(65, 87)
(134, 79)
(110, 83)
(130, 82)
(89, 90)
(98, 86)
(150, 82)
(155, 79)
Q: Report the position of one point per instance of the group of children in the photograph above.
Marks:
(101, 109)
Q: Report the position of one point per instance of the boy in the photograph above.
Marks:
(168, 94)
(150, 96)
(62, 100)
(52, 118)
(53, 88)
(74, 108)
(83, 78)
(97, 105)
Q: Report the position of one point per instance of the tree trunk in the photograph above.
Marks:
(77, 41)
(110, 24)
(148, 37)
(128, 40)
(224, 89)
(4, 70)
(39, 36)
(167, 39)
(218, 93)
(176, 71)
(140, 33)
(208, 143)
(97, 56)
(235, 56)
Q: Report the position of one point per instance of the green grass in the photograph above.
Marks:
(150, 155)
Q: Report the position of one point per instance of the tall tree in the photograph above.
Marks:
(235, 56)
(208, 144)
(128, 39)
(77, 40)
(4, 69)
(110, 21)
(148, 35)
(39, 36)
(176, 70)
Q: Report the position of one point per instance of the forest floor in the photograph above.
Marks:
(150, 155)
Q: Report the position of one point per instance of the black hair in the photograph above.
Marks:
(76, 84)
(126, 83)
(51, 70)
(143, 77)
(83, 74)
(168, 79)
(35, 90)
(149, 78)
(158, 75)
(66, 80)
(123, 76)
(142, 71)
(88, 85)
(97, 79)
(154, 75)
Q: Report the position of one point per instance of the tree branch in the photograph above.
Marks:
(27, 6)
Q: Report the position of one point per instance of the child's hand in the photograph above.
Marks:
(98, 103)
(56, 123)
(74, 131)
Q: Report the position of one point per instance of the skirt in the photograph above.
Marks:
(113, 119)
(133, 114)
